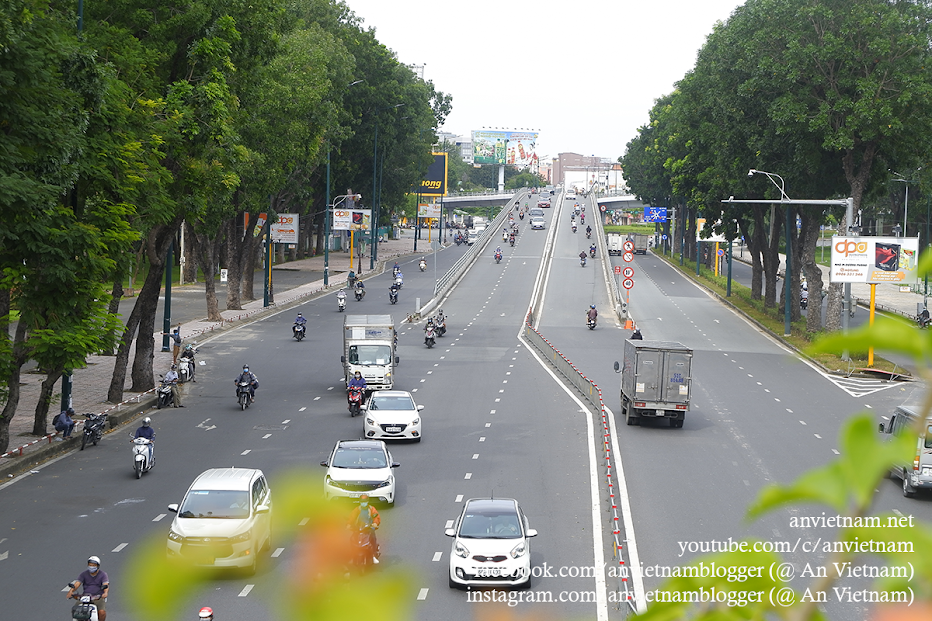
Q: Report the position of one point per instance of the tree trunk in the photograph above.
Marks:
(809, 236)
(160, 238)
(207, 253)
(234, 260)
(836, 291)
(250, 252)
(41, 420)
(771, 257)
(20, 355)
(118, 380)
(190, 253)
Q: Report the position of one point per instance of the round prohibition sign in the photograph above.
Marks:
(628, 272)
(628, 256)
(628, 245)
(627, 283)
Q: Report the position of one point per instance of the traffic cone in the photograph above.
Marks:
(629, 325)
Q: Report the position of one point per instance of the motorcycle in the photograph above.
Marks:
(360, 293)
(590, 322)
(141, 462)
(588, 234)
(582, 261)
(592, 253)
(354, 397)
(399, 281)
(85, 609)
(341, 302)
(440, 323)
(511, 240)
(804, 303)
(923, 320)
(422, 265)
(299, 331)
(163, 394)
(186, 366)
(243, 395)
(93, 429)
(364, 549)
(574, 227)
(429, 337)
(521, 215)
(498, 257)
(395, 271)
(393, 295)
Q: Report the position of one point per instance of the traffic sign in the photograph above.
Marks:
(720, 252)
(627, 283)
(628, 256)
(617, 269)
(664, 236)
(628, 245)
(602, 207)
(628, 272)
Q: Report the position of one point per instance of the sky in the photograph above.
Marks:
(584, 73)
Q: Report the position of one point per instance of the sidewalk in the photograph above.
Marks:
(91, 383)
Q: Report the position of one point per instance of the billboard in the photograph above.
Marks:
(286, 229)
(504, 147)
(352, 219)
(434, 182)
(874, 259)
(428, 210)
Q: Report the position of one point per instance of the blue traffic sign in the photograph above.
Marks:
(655, 214)
(664, 236)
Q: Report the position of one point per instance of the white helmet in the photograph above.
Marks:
(94, 559)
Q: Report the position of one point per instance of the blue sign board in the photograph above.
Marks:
(655, 214)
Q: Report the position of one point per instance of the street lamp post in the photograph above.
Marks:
(906, 182)
(375, 206)
(787, 293)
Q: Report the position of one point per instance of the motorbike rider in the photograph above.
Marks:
(300, 321)
(351, 278)
(592, 250)
(248, 376)
(361, 286)
(423, 263)
(592, 314)
(188, 354)
(395, 269)
(95, 583)
(588, 230)
(172, 378)
(430, 327)
(365, 517)
(341, 295)
(636, 336)
(393, 290)
(206, 614)
(146, 431)
(358, 381)
(924, 318)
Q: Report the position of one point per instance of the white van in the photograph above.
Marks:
(918, 474)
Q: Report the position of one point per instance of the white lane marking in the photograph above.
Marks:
(504, 382)
(459, 498)
(303, 521)
(246, 452)
(502, 390)
(330, 388)
(277, 552)
(817, 435)
(468, 476)
(246, 590)
(437, 556)
(423, 380)
(305, 407)
(449, 524)
(759, 383)
(422, 594)
(159, 517)
(286, 421)
(837, 453)
(441, 357)
(414, 390)
(482, 439)
(120, 547)
(315, 399)
(437, 364)
(802, 422)
(789, 410)
(491, 411)
(430, 373)
(267, 436)
(476, 455)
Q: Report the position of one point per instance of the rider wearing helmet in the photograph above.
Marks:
(592, 313)
(248, 376)
(365, 517)
(300, 321)
(172, 378)
(146, 431)
(206, 614)
(95, 583)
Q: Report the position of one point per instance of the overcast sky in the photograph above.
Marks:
(594, 67)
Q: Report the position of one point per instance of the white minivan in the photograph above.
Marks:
(918, 474)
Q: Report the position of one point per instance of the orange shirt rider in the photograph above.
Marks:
(370, 520)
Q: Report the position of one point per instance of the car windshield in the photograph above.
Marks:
(490, 524)
(370, 354)
(366, 458)
(222, 504)
(403, 402)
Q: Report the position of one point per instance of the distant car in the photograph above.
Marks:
(357, 467)
(491, 545)
(571, 196)
(393, 414)
(471, 238)
(543, 204)
(537, 223)
(224, 520)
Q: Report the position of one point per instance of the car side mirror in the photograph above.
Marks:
(420, 407)
(395, 464)
(343, 359)
(881, 429)
(324, 463)
(397, 359)
(173, 508)
(263, 509)
(617, 367)
(364, 406)
(531, 533)
(449, 532)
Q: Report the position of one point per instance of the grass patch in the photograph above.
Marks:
(773, 320)
(643, 229)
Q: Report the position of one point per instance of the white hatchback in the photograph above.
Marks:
(537, 223)
(393, 414)
(491, 545)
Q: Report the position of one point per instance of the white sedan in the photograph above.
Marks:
(393, 414)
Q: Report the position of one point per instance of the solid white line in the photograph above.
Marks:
(437, 556)
(422, 594)
(120, 547)
(622, 493)
(159, 517)
(246, 590)
(277, 552)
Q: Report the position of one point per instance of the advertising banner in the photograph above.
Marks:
(428, 210)
(285, 230)
(260, 222)
(352, 219)
(875, 259)
(655, 214)
(504, 147)
(434, 182)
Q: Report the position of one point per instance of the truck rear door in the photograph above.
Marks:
(647, 376)
(676, 377)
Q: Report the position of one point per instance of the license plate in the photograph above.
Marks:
(488, 572)
(393, 429)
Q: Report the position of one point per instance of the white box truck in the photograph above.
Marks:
(655, 381)
(369, 347)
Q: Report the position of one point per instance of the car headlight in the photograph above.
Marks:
(388, 375)
(172, 535)
(385, 483)
(328, 480)
(519, 550)
(460, 550)
(369, 421)
(416, 421)
(246, 536)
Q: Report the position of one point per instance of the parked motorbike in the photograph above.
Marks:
(422, 265)
(141, 461)
(429, 339)
(393, 295)
(163, 394)
(243, 395)
(299, 331)
(341, 300)
(354, 397)
(93, 429)
(85, 609)
(360, 293)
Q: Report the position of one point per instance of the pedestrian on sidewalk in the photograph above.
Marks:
(176, 339)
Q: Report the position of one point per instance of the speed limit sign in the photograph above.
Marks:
(629, 246)
(602, 208)
(628, 272)
(628, 256)
(627, 283)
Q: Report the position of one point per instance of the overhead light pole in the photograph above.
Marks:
(787, 292)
